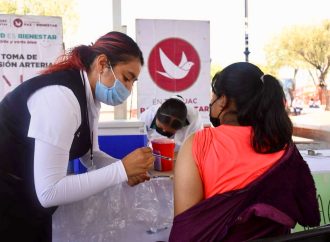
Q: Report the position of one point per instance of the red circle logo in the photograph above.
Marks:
(18, 22)
(174, 64)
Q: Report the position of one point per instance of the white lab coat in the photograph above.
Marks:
(193, 117)
(53, 125)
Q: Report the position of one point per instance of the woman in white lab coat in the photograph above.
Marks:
(173, 119)
(51, 119)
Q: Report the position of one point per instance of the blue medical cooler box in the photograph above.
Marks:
(117, 138)
(120, 137)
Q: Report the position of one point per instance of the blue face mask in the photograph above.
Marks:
(114, 95)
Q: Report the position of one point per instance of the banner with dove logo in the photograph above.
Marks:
(177, 56)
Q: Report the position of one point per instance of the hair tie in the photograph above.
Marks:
(262, 78)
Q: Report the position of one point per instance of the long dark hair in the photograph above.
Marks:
(260, 103)
(118, 47)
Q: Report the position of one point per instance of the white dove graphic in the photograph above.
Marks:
(172, 70)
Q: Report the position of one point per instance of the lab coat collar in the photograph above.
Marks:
(93, 104)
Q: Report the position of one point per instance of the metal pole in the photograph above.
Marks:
(246, 51)
(120, 111)
(116, 15)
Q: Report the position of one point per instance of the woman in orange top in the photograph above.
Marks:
(244, 179)
(254, 132)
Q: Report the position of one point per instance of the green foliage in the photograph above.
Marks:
(301, 47)
(61, 8)
(8, 7)
(267, 69)
(214, 69)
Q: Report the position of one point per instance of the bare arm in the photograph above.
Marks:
(188, 187)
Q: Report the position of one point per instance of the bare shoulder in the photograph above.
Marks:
(186, 149)
(188, 187)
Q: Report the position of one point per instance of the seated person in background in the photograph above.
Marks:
(243, 178)
(172, 119)
(297, 105)
(314, 103)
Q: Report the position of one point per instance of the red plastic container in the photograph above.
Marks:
(164, 147)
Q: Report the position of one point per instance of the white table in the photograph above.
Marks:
(320, 168)
(318, 163)
(124, 213)
(120, 214)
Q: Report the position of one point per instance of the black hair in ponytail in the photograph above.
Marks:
(260, 103)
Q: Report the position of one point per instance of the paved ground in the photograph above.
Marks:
(316, 120)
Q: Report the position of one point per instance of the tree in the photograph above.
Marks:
(62, 8)
(215, 68)
(303, 47)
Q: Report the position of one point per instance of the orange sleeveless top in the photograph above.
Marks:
(226, 160)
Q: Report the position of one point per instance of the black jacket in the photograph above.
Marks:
(17, 150)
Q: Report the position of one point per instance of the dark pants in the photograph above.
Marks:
(297, 110)
(20, 220)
